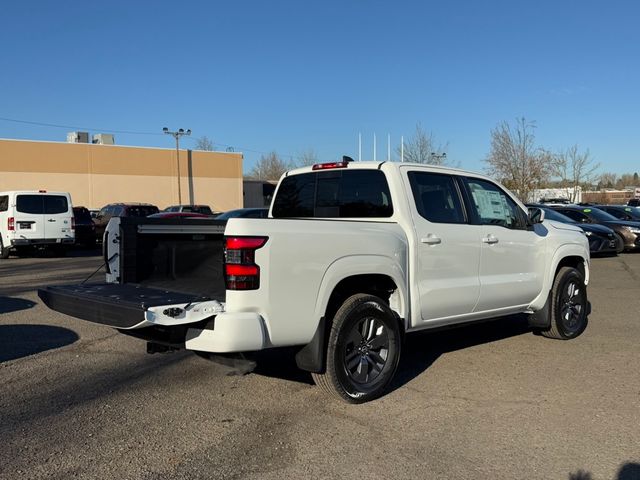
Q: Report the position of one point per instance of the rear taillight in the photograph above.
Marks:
(11, 223)
(240, 269)
(73, 223)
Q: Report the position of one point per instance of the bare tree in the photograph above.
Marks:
(306, 158)
(608, 180)
(204, 143)
(626, 180)
(269, 167)
(422, 148)
(574, 169)
(516, 160)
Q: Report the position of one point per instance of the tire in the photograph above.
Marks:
(4, 252)
(569, 307)
(619, 243)
(60, 250)
(363, 350)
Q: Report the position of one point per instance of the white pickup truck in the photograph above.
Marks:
(353, 256)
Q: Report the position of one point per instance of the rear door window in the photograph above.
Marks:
(436, 196)
(55, 204)
(30, 204)
(334, 194)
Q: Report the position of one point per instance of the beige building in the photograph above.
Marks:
(96, 175)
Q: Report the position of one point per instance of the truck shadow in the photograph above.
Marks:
(17, 341)
(628, 471)
(12, 304)
(420, 350)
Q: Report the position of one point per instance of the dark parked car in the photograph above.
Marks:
(601, 239)
(121, 210)
(179, 215)
(622, 212)
(634, 202)
(204, 209)
(627, 232)
(244, 213)
(85, 228)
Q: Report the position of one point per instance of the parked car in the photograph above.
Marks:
(621, 212)
(85, 228)
(634, 202)
(30, 219)
(179, 215)
(244, 213)
(555, 200)
(356, 256)
(121, 210)
(602, 240)
(628, 233)
(204, 209)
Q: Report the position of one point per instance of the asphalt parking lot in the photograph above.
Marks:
(492, 401)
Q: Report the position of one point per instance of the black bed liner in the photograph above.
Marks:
(113, 304)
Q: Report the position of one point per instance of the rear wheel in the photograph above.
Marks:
(4, 252)
(363, 350)
(569, 305)
(60, 250)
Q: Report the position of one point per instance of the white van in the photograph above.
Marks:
(32, 218)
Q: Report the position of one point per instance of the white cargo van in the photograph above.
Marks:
(35, 218)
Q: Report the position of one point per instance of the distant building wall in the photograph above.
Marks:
(258, 193)
(99, 174)
(609, 197)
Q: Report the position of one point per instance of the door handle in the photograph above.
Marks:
(490, 239)
(431, 240)
(51, 220)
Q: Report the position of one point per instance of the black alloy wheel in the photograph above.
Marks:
(570, 307)
(363, 350)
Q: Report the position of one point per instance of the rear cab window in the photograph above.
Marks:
(4, 203)
(356, 193)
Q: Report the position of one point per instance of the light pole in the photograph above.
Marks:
(438, 157)
(177, 136)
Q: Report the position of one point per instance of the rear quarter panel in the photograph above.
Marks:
(303, 260)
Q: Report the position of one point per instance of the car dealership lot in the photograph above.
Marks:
(487, 401)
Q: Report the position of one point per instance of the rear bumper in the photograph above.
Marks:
(18, 242)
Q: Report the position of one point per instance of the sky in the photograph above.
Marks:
(290, 76)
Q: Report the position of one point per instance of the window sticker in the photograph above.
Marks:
(586, 210)
(490, 204)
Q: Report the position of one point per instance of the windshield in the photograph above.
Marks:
(550, 214)
(599, 215)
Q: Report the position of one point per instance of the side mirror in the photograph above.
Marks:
(536, 215)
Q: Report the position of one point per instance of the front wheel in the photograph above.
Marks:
(363, 350)
(619, 243)
(569, 307)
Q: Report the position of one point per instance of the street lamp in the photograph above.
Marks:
(177, 136)
(438, 157)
